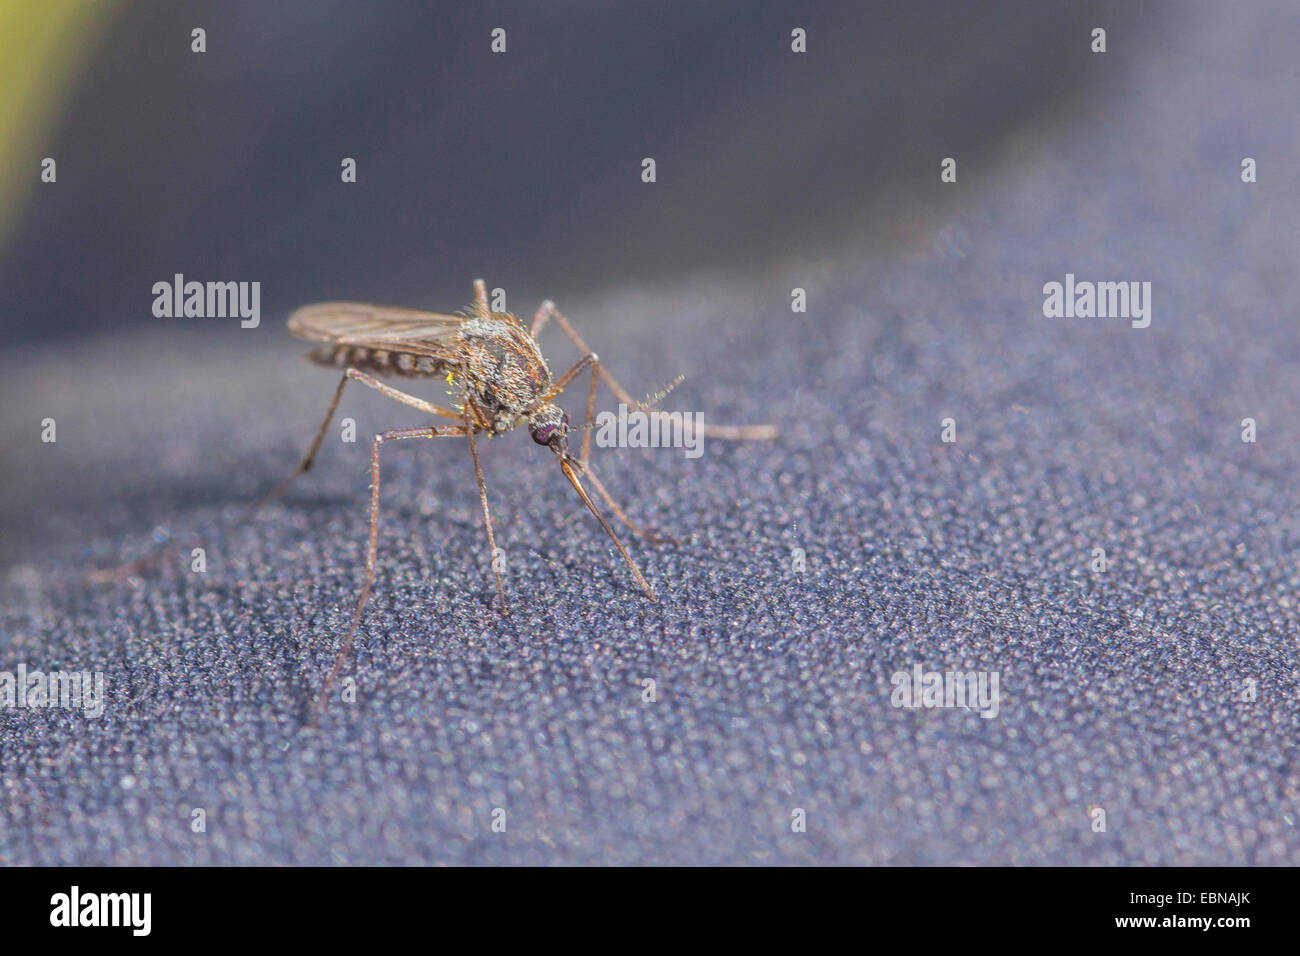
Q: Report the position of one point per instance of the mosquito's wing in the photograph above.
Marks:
(378, 327)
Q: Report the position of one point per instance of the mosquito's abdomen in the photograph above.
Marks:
(379, 362)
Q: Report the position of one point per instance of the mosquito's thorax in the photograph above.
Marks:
(503, 367)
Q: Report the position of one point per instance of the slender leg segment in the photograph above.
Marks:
(433, 431)
(370, 382)
(593, 360)
(584, 457)
(306, 463)
(548, 311)
(487, 512)
(122, 570)
(654, 537)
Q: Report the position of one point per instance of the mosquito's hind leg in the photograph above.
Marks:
(548, 311)
(305, 465)
(369, 381)
(122, 570)
(432, 431)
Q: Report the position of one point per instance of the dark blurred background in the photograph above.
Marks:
(522, 167)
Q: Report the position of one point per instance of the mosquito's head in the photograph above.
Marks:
(550, 426)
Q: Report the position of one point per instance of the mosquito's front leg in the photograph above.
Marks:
(487, 513)
(433, 431)
(548, 311)
(593, 360)
(584, 459)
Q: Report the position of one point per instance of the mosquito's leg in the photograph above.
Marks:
(654, 537)
(487, 513)
(398, 395)
(545, 312)
(590, 359)
(585, 462)
(548, 311)
(480, 297)
(591, 412)
(122, 570)
(370, 382)
(432, 431)
(306, 463)
(593, 360)
(584, 458)
(128, 568)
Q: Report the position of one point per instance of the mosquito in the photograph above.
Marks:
(497, 371)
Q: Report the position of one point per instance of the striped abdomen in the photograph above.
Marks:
(379, 361)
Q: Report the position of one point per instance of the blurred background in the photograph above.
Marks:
(523, 167)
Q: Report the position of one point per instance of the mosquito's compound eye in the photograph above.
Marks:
(544, 433)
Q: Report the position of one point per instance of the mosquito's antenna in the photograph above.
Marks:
(650, 402)
(567, 464)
